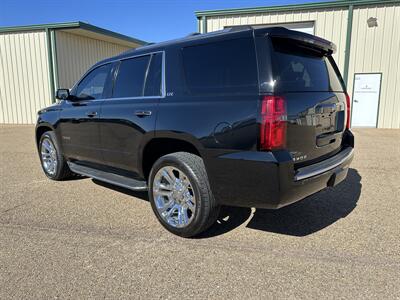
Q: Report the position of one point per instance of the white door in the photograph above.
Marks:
(365, 100)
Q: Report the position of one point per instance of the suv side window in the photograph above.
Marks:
(225, 67)
(130, 77)
(93, 85)
(154, 75)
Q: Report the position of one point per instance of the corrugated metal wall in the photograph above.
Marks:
(377, 49)
(75, 54)
(329, 23)
(24, 76)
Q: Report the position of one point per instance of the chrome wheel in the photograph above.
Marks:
(49, 156)
(174, 197)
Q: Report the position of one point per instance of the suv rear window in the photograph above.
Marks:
(130, 77)
(226, 67)
(299, 69)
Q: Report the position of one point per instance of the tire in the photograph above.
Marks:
(61, 171)
(193, 194)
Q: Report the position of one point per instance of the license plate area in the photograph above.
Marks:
(329, 123)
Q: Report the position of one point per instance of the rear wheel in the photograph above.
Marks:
(53, 163)
(180, 194)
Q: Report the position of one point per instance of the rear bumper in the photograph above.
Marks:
(269, 180)
(311, 179)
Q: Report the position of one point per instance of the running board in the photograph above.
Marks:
(122, 181)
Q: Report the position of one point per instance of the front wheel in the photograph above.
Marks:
(180, 194)
(53, 163)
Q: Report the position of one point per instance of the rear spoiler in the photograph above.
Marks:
(301, 37)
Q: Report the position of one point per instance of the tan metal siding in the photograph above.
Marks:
(24, 76)
(75, 54)
(329, 23)
(375, 50)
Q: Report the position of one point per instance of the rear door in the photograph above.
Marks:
(128, 118)
(309, 81)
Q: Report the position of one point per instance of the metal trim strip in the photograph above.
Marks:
(324, 166)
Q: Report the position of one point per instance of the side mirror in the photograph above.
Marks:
(62, 94)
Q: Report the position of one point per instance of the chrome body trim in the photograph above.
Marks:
(324, 166)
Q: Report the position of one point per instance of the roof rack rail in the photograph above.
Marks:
(143, 46)
(194, 33)
(234, 28)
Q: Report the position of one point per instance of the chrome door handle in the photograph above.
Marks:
(91, 114)
(143, 113)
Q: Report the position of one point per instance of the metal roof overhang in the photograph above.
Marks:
(292, 7)
(81, 28)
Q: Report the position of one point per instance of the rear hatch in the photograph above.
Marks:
(306, 77)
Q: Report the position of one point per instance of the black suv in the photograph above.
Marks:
(243, 116)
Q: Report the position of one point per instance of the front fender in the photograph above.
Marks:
(47, 118)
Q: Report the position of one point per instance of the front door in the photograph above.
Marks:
(366, 100)
(128, 118)
(79, 118)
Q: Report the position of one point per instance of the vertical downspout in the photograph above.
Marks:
(348, 45)
(54, 58)
(198, 25)
(50, 63)
(204, 20)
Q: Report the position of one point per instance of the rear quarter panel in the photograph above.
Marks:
(215, 125)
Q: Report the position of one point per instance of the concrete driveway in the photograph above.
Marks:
(85, 239)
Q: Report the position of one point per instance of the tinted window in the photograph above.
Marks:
(153, 80)
(298, 69)
(130, 77)
(227, 67)
(92, 86)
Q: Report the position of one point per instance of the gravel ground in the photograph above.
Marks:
(85, 239)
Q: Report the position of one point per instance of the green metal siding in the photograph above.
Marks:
(348, 45)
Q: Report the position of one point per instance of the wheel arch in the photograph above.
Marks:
(40, 130)
(163, 145)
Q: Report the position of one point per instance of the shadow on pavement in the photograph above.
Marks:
(299, 219)
(229, 218)
(140, 195)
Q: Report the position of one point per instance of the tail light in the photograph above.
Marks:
(348, 111)
(273, 123)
